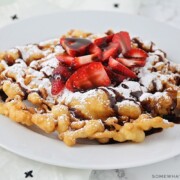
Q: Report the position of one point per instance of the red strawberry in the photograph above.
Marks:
(115, 78)
(95, 55)
(75, 46)
(118, 77)
(87, 77)
(94, 49)
(103, 41)
(132, 62)
(62, 72)
(76, 62)
(82, 60)
(65, 59)
(117, 67)
(60, 75)
(57, 86)
(136, 53)
(124, 40)
(111, 50)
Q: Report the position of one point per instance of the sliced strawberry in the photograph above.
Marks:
(95, 55)
(135, 62)
(65, 59)
(94, 49)
(62, 72)
(103, 41)
(75, 46)
(60, 75)
(76, 62)
(82, 60)
(87, 77)
(115, 78)
(118, 77)
(136, 53)
(119, 68)
(112, 49)
(57, 86)
(124, 40)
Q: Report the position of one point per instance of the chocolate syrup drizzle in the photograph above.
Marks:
(77, 114)
(118, 97)
(136, 94)
(113, 99)
(173, 117)
(140, 45)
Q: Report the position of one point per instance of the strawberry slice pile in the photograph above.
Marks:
(86, 65)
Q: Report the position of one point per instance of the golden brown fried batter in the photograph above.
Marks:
(102, 114)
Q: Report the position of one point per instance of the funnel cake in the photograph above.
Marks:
(109, 87)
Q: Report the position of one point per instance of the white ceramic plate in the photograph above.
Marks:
(33, 144)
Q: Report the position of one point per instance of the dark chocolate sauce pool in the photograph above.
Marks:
(172, 118)
(153, 131)
(3, 95)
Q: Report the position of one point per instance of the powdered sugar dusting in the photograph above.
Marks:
(50, 42)
(152, 76)
(132, 86)
(28, 51)
(155, 79)
(67, 96)
(127, 102)
(17, 69)
(155, 96)
(38, 71)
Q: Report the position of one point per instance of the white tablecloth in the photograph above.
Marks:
(13, 167)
